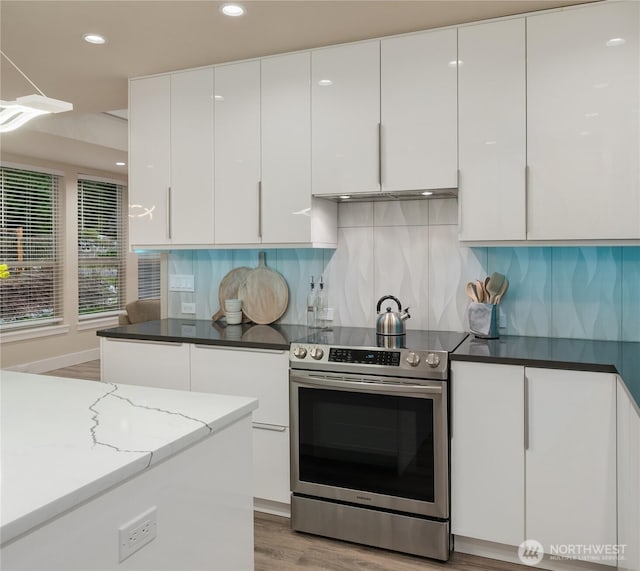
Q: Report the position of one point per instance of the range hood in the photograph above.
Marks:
(381, 196)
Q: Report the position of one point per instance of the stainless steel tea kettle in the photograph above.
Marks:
(391, 322)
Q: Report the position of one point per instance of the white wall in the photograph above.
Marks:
(76, 344)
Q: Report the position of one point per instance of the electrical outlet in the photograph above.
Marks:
(137, 533)
(188, 307)
(181, 282)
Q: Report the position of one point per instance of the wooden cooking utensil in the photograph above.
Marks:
(503, 290)
(471, 292)
(264, 294)
(493, 286)
(480, 292)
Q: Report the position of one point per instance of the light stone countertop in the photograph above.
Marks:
(65, 440)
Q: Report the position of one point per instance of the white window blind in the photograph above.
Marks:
(148, 275)
(31, 295)
(101, 247)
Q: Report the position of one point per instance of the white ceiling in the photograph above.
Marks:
(44, 38)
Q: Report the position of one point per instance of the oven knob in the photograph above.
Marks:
(433, 360)
(413, 359)
(316, 353)
(300, 352)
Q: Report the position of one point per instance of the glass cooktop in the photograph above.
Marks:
(367, 337)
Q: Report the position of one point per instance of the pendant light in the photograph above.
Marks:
(14, 114)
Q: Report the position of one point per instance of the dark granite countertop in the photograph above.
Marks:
(206, 332)
(621, 357)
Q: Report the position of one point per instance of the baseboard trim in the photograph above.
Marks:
(58, 362)
(509, 554)
(271, 507)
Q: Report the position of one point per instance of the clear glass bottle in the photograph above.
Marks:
(321, 305)
(312, 317)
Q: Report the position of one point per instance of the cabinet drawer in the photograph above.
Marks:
(245, 372)
(162, 365)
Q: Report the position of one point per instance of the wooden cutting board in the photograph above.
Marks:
(264, 294)
(229, 286)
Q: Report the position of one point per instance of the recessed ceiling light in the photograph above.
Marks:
(456, 63)
(94, 39)
(232, 10)
(120, 164)
(345, 197)
(325, 82)
(218, 97)
(613, 42)
(426, 193)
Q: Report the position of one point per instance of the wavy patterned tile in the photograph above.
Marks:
(586, 293)
(401, 213)
(631, 293)
(297, 266)
(443, 211)
(210, 266)
(401, 269)
(527, 303)
(451, 266)
(355, 214)
(350, 276)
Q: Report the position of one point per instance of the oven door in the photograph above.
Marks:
(373, 441)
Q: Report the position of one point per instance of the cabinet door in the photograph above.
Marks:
(419, 112)
(491, 99)
(149, 160)
(628, 481)
(254, 373)
(271, 463)
(583, 87)
(345, 119)
(162, 365)
(237, 152)
(286, 149)
(487, 452)
(191, 213)
(571, 458)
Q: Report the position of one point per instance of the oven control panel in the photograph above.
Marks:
(402, 362)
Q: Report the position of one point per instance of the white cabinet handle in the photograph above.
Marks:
(380, 155)
(265, 426)
(526, 413)
(245, 349)
(146, 342)
(260, 209)
(169, 217)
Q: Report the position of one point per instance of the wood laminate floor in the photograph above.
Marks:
(278, 548)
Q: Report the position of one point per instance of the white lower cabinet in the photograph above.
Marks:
(533, 455)
(263, 374)
(628, 481)
(147, 363)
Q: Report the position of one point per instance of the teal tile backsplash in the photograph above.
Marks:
(411, 249)
(575, 292)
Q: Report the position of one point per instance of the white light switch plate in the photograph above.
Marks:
(181, 282)
(188, 307)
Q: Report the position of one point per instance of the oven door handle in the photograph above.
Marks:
(364, 385)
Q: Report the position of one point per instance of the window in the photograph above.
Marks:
(148, 275)
(101, 247)
(29, 235)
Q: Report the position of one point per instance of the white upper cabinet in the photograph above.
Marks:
(345, 89)
(492, 131)
(418, 112)
(237, 152)
(583, 89)
(171, 159)
(191, 197)
(149, 160)
(288, 212)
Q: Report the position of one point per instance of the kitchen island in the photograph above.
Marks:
(91, 470)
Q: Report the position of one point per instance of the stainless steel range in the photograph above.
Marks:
(370, 439)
